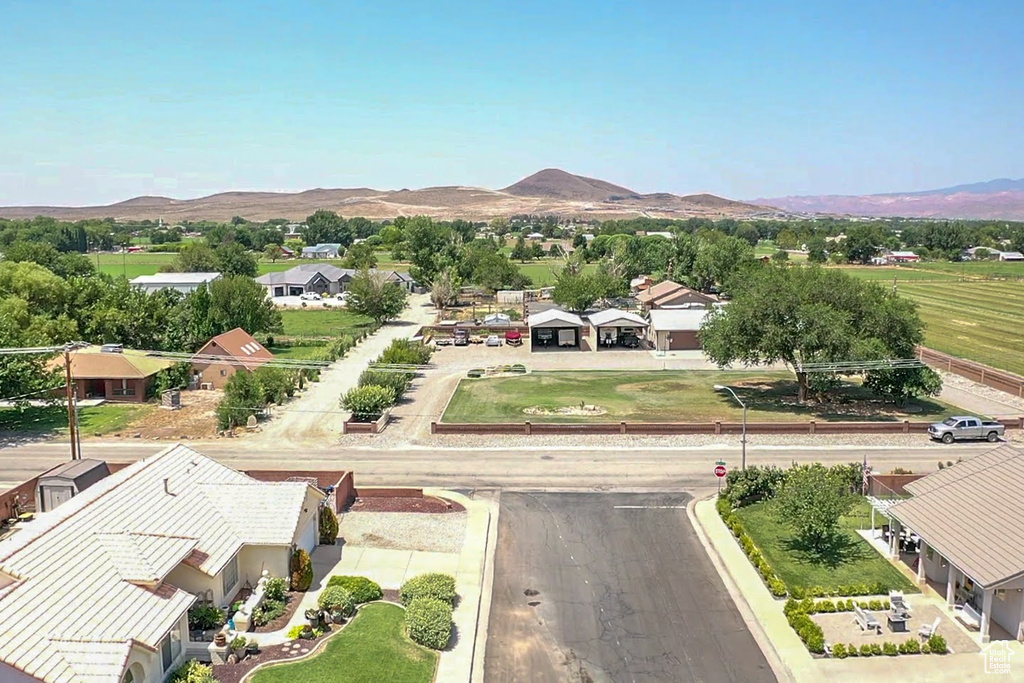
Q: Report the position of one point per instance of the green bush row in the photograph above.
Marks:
(756, 483)
(797, 614)
(810, 606)
(361, 588)
(934, 645)
(852, 589)
(433, 585)
(430, 622)
(774, 583)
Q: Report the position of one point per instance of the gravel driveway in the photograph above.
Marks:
(443, 533)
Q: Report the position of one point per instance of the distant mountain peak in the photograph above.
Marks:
(554, 183)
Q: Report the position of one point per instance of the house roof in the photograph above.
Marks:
(85, 581)
(92, 363)
(554, 317)
(659, 290)
(239, 344)
(903, 254)
(678, 319)
(170, 279)
(970, 514)
(302, 274)
(321, 248)
(613, 317)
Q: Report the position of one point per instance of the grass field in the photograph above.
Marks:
(662, 396)
(542, 273)
(886, 274)
(855, 562)
(978, 269)
(373, 648)
(93, 420)
(979, 320)
(130, 265)
(312, 322)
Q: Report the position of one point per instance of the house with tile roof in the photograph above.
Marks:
(98, 589)
(113, 373)
(237, 346)
(670, 294)
(970, 522)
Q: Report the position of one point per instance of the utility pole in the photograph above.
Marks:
(72, 417)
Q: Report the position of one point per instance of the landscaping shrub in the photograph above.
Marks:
(518, 368)
(336, 599)
(777, 587)
(912, 646)
(889, 649)
(406, 352)
(875, 605)
(839, 651)
(775, 584)
(926, 648)
(475, 373)
(361, 588)
(430, 622)
(876, 649)
(755, 483)
(432, 585)
(274, 589)
(193, 671)
(369, 402)
(204, 616)
(328, 526)
(865, 650)
(276, 384)
(851, 650)
(937, 645)
(268, 611)
(302, 570)
(300, 631)
(398, 381)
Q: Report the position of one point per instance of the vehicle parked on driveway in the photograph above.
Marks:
(461, 337)
(513, 338)
(310, 296)
(493, 340)
(966, 427)
(341, 296)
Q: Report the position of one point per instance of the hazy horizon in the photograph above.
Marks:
(111, 100)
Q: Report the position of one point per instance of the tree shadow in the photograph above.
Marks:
(837, 550)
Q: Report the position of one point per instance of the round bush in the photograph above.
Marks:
(336, 599)
(438, 586)
(430, 622)
(361, 588)
(274, 588)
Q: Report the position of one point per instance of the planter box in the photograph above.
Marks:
(351, 426)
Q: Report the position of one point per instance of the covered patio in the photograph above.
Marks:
(968, 519)
(616, 328)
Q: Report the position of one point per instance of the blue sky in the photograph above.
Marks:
(104, 100)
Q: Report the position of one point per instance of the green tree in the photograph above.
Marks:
(196, 258)
(372, 295)
(360, 257)
(749, 234)
(243, 398)
(578, 291)
(276, 384)
(326, 227)
(780, 256)
(272, 252)
(811, 500)
(816, 250)
(233, 259)
(368, 402)
(718, 260)
(520, 252)
(494, 272)
(862, 243)
(445, 290)
(238, 301)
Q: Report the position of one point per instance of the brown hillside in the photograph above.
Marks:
(554, 183)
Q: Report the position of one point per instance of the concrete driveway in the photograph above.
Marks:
(611, 587)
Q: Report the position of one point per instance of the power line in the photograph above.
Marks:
(861, 366)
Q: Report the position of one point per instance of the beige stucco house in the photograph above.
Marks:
(99, 588)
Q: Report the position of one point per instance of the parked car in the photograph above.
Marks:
(966, 427)
(513, 338)
(341, 296)
(461, 337)
(310, 296)
(493, 340)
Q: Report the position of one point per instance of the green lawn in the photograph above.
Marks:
(373, 648)
(543, 272)
(93, 421)
(886, 274)
(131, 265)
(293, 352)
(662, 396)
(976, 269)
(981, 320)
(856, 562)
(322, 322)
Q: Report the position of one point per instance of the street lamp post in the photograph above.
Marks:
(743, 439)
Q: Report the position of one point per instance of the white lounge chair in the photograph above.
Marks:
(866, 620)
(898, 602)
(928, 630)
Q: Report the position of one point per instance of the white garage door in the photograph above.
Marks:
(307, 537)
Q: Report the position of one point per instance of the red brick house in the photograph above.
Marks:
(237, 346)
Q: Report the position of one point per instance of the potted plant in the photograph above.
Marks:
(314, 616)
(238, 645)
(337, 602)
(252, 647)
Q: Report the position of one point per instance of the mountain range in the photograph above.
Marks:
(1001, 199)
(551, 191)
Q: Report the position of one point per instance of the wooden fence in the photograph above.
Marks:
(983, 374)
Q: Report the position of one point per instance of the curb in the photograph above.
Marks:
(775, 661)
(486, 588)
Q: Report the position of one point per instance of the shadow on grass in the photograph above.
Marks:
(849, 402)
(838, 550)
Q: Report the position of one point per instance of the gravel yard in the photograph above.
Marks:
(443, 533)
(970, 386)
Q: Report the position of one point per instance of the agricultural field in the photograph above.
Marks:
(886, 274)
(313, 322)
(662, 396)
(131, 265)
(982, 321)
(976, 269)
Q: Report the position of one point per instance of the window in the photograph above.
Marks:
(128, 677)
(223, 373)
(230, 576)
(170, 648)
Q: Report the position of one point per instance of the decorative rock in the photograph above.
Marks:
(232, 658)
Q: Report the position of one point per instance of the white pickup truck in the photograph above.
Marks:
(964, 427)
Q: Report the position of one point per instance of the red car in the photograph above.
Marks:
(513, 338)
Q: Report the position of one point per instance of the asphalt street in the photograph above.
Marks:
(611, 587)
(540, 467)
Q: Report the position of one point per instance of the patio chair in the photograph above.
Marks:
(866, 620)
(898, 602)
(928, 630)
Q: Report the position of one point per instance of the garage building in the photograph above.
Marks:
(555, 328)
(677, 329)
(617, 328)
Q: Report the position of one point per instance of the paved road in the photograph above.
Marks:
(588, 591)
(542, 467)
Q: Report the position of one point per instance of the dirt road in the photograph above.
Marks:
(315, 417)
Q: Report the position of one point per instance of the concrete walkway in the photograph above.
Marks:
(785, 652)
(472, 569)
(315, 416)
(976, 403)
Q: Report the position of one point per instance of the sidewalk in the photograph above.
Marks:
(976, 403)
(786, 654)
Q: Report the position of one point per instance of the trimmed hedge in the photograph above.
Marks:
(336, 599)
(433, 585)
(361, 588)
(774, 583)
(328, 526)
(854, 589)
(430, 622)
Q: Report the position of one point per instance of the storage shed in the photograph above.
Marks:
(677, 329)
(555, 328)
(617, 328)
(64, 481)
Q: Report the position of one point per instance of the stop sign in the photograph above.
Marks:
(719, 470)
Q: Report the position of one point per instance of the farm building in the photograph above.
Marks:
(677, 329)
(182, 282)
(555, 328)
(618, 329)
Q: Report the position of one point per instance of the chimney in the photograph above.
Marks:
(167, 487)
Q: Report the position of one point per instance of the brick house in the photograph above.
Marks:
(113, 373)
(237, 346)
